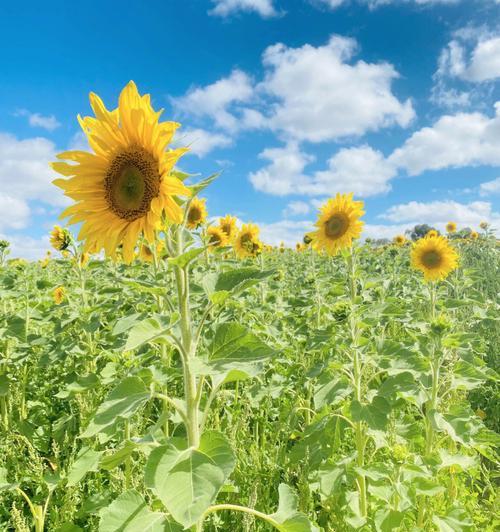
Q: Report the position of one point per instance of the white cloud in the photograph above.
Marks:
(296, 208)
(201, 142)
(361, 170)
(490, 187)
(438, 213)
(372, 4)
(26, 247)
(288, 231)
(79, 141)
(463, 139)
(319, 96)
(224, 8)
(215, 100)
(384, 231)
(14, 213)
(25, 172)
(38, 120)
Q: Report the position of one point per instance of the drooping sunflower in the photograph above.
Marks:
(125, 186)
(434, 257)
(399, 240)
(338, 224)
(60, 239)
(228, 225)
(451, 227)
(59, 294)
(247, 242)
(216, 238)
(307, 239)
(197, 213)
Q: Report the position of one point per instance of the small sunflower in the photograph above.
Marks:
(484, 225)
(434, 257)
(282, 247)
(60, 239)
(197, 213)
(124, 187)
(338, 224)
(399, 240)
(307, 239)
(432, 233)
(146, 251)
(216, 238)
(247, 243)
(451, 227)
(228, 225)
(474, 235)
(59, 294)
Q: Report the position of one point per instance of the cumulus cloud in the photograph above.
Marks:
(372, 4)
(361, 170)
(27, 247)
(490, 187)
(14, 212)
(38, 120)
(296, 208)
(288, 231)
(224, 8)
(201, 142)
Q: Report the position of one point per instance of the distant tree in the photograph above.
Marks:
(419, 231)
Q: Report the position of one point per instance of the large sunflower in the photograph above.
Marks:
(434, 257)
(247, 242)
(228, 225)
(197, 213)
(123, 188)
(338, 224)
(60, 239)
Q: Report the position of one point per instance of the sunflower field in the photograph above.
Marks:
(164, 371)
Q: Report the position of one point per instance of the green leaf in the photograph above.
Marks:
(427, 486)
(237, 280)
(69, 527)
(457, 520)
(287, 517)
(4, 385)
(87, 460)
(4, 484)
(187, 481)
(130, 513)
(374, 413)
(388, 520)
(330, 391)
(113, 460)
(453, 460)
(198, 187)
(79, 385)
(149, 330)
(121, 403)
(183, 260)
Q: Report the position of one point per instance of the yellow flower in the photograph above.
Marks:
(434, 257)
(432, 232)
(282, 247)
(307, 239)
(122, 189)
(216, 238)
(484, 225)
(59, 295)
(247, 243)
(228, 225)
(84, 259)
(399, 240)
(60, 238)
(146, 252)
(197, 213)
(451, 227)
(474, 235)
(338, 224)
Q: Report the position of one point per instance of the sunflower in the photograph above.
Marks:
(197, 213)
(123, 188)
(228, 225)
(434, 257)
(216, 238)
(399, 240)
(474, 235)
(247, 243)
(432, 233)
(451, 227)
(59, 295)
(60, 239)
(146, 251)
(338, 224)
(307, 239)
(484, 225)
(282, 247)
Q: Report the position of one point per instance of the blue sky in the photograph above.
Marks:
(294, 100)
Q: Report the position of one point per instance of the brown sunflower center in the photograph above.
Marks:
(194, 215)
(431, 258)
(215, 239)
(226, 228)
(336, 226)
(132, 182)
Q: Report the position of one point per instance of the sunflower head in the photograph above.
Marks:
(484, 225)
(228, 225)
(399, 240)
(307, 239)
(197, 213)
(434, 257)
(338, 224)
(474, 235)
(451, 227)
(216, 238)
(282, 247)
(146, 251)
(247, 242)
(432, 233)
(60, 238)
(59, 294)
(124, 187)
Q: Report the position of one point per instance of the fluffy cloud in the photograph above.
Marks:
(296, 208)
(361, 170)
(27, 247)
(224, 8)
(288, 231)
(37, 120)
(24, 169)
(438, 213)
(201, 142)
(463, 139)
(490, 187)
(14, 213)
(318, 95)
(372, 4)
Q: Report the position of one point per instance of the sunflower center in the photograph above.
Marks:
(336, 226)
(215, 239)
(226, 228)
(431, 259)
(132, 182)
(247, 242)
(194, 215)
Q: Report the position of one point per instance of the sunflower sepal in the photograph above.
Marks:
(202, 185)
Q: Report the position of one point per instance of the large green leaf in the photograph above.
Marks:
(183, 260)
(374, 413)
(151, 329)
(4, 385)
(187, 481)
(87, 460)
(457, 520)
(287, 518)
(121, 403)
(330, 391)
(130, 513)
